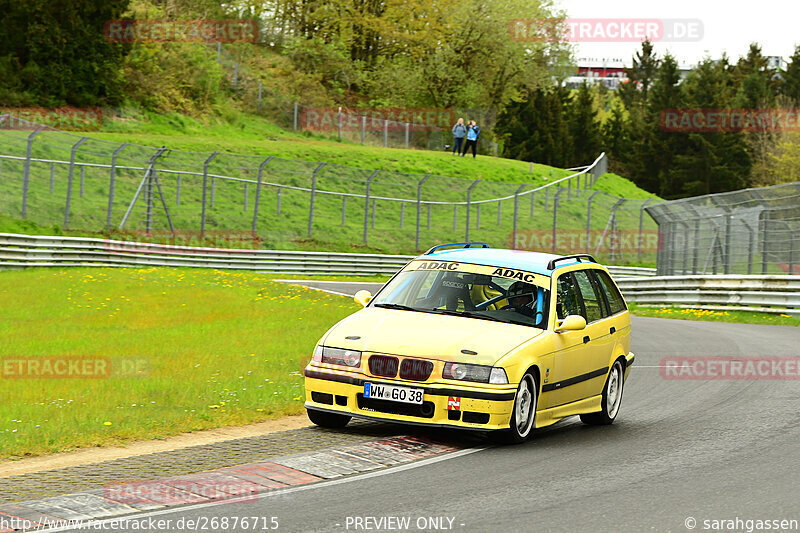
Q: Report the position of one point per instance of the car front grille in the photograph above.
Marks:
(383, 365)
(415, 369)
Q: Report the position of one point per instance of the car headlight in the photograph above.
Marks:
(477, 373)
(337, 356)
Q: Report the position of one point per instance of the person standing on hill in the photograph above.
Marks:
(473, 132)
(459, 132)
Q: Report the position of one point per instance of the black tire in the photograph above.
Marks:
(328, 420)
(525, 402)
(612, 389)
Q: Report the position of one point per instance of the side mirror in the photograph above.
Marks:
(363, 297)
(571, 323)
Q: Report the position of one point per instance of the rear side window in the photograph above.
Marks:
(568, 302)
(614, 298)
(592, 301)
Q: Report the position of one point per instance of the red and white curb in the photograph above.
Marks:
(235, 483)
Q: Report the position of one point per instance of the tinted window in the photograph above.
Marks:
(568, 302)
(592, 303)
(614, 298)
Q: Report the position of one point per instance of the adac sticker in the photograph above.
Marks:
(453, 404)
(515, 274)
(436, 265)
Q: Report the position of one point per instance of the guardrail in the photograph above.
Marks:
(770, 294)
(21, 251)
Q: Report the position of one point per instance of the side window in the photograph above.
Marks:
(614, 298)
(592, 301)
(568, 302)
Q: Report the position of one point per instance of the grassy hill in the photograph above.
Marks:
(245, 141)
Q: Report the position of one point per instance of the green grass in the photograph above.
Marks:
(742, 317)
(219, 348)
(228, 217)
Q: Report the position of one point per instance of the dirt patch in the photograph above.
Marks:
(96, 455)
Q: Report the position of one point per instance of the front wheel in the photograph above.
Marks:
(327, 420)
(524, 413)
(612, 398)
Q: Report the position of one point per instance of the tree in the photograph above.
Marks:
(790, 85)
(584, 128)
(55, 53)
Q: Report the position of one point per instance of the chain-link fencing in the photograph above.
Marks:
(752, 231)
(63, 179)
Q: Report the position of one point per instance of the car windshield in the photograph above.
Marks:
(468, 294)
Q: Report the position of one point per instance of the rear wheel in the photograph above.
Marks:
(328, 420)
(524, 413)
(612, 398)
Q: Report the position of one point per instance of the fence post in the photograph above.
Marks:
(555, 217)
(219, 51)
(469, 205)
(385, 132)
(295, 116)
(569, 190)
(407, 125)
(727, 265)
(366, 203)
(533, 198)
(258, 107)
(205, 189)
(344, 208)
(245, 196)
(516, 215)
(69, 180)
(52, 176)
(111, 185)
(419, 206)
(455, 217)
(313, 196)
(339, 124)
(145, 181)
(589, 222)
(641, 225)
(374, 202)
(402, 213)
(363, 127)
(178, 190)
(258, 191)
(499, 212)
(83, 175)
(27, 172)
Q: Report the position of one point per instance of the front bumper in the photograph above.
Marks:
(479, 408)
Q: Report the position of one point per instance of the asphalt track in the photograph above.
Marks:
(680, 450)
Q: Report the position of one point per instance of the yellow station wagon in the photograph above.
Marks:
(478, 338)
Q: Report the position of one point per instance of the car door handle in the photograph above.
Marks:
(612, 330)
(586, 339)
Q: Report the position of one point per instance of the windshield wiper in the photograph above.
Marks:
(397, 306)
(469, 314)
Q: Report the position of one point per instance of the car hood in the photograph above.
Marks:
(428, 335)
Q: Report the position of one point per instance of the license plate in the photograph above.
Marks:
(379, 391)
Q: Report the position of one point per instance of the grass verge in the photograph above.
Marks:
(203, 349)
(742, 317)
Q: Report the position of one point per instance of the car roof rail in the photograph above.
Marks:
(552, 264)
(461, 244)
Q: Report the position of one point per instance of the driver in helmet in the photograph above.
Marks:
(521, 298)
